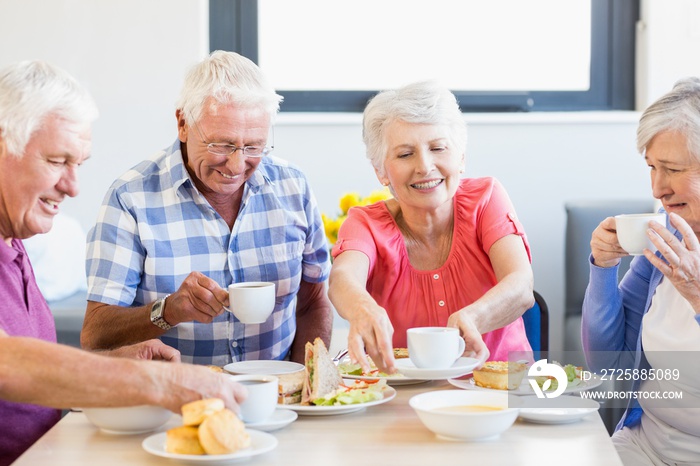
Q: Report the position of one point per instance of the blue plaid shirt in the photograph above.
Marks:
(155, 227)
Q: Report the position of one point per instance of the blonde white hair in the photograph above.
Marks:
(227, 78)
(677, 111)
(31, 91)
(424, 102)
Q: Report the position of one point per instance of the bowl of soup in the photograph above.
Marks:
(466, 415)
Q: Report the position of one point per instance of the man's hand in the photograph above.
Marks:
(149, 349)
(199, 298)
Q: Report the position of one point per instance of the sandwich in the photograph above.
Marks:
(321, 376)
(290, 386)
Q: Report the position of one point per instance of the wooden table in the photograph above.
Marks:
(389, 434)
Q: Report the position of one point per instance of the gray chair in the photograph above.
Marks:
(582, 217)
(68, 315)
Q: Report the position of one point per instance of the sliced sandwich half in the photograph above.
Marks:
(321, 375)
(290, 386)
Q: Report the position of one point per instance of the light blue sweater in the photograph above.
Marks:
(611, 326)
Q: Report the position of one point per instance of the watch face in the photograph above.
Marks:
(157, 315)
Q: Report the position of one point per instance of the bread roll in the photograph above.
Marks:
(501, 375)
(194, 413)
(183, 440)
(223, 433)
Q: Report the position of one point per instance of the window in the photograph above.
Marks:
(500, 55)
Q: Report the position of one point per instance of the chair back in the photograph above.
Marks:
(582, 217)
(536, 320)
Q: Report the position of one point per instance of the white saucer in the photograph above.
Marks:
(560, 410)
(461, 367)
(280, 418)
(264, 367)
(525, 388)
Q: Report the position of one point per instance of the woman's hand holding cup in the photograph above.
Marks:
(621, 236)
(681, 259)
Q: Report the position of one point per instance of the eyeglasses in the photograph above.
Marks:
(222, 149)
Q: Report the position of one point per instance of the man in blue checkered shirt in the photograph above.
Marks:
(213, 209)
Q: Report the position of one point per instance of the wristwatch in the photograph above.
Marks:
(157, 314)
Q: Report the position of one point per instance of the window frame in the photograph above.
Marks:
(233, 25)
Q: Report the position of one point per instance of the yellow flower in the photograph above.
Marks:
(331, 225)
(349, 200)
(330, 228)
(376, 196)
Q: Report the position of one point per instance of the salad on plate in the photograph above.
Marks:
(361, 391)
(550, 384)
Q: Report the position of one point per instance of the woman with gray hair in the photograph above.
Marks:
(444, 251)
(649, 325)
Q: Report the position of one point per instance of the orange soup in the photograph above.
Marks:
(467, 409)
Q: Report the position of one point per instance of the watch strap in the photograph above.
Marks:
(157, 314)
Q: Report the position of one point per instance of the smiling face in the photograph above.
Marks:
(421, 165)
(218, 177)
(675, 176)
(32, 186)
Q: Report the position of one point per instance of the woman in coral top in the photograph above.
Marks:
(444, 251)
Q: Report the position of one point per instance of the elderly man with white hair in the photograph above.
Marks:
(45, 135)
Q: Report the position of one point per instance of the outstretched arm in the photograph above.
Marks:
(59, 376)
(370, 327)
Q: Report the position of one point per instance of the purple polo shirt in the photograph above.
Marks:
(23, 312)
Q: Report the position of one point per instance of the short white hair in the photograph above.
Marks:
(31, 91)
(425, 102)
(227, 78)
(678, 111)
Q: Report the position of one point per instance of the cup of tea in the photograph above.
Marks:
(434, 347)
(262, 397)
(251, 302)
(632, 231)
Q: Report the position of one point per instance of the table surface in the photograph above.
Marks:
(390, 434)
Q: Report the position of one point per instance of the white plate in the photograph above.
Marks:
(264, 367)
(559, 410)
(389, 394)
(525, 388)
(395, 379)
(461, 367)
(280, 418)
(261, 442)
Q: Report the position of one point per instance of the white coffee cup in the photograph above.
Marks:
(251, 302)
(632, 231)
(262, 397)
(434, 347)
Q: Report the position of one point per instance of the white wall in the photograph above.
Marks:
(132, 54)
(668, 40)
